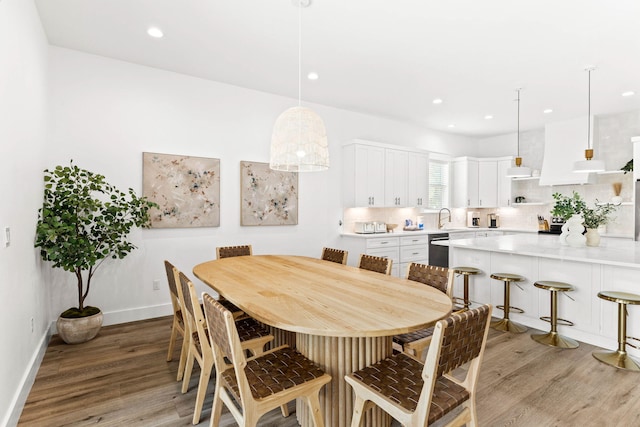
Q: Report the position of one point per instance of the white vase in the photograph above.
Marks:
(593, 237)
(575, 229)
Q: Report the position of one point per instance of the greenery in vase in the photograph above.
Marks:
(566, 206)
(83, 221)
(628, 167)
(599, 215)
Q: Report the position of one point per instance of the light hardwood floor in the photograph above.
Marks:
(121, 378)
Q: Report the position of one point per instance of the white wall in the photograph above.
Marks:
(23, 293)
(105, 113)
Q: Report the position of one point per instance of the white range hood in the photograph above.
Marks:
(564, 144)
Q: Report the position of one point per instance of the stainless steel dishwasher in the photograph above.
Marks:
(438, 255)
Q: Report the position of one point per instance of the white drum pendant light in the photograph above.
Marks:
(518, 171)
(588, 165)
(299, 139)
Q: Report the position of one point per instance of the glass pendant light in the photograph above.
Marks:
(589, 164)
(299, 139)
(518, 171)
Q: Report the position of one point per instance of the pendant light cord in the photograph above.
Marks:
(518, 90)
(589, 113)
(299, 54)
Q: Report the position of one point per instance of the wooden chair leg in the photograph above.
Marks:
(205, 374)
(285, 410)
(216, 409)
(183, 357)
(358, 411)
(313, 402)
(187, 372)
(172, 341)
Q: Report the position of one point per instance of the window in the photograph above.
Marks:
(438, 184)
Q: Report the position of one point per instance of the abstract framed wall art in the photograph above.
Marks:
(268, 197)
(186, 188)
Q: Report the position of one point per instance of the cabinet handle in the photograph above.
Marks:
(480, 202)
(383, 243)
(416, 253)
(468, 202)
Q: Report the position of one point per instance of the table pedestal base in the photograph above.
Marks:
(338, 357)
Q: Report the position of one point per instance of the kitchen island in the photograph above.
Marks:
(614, 265)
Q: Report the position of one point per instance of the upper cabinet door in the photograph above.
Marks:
(504, 183)
(396, 176)
(363, 176)
(465, 183)
(487, 183)
(418, 181)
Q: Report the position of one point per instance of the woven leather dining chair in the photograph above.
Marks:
(335, 255)
(253, 337)
(441, 278)
(419, 394)
(177, 325)
(375, 263)
(231, 251)
(257, 384)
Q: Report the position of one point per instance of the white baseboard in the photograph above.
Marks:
(20, 398)
(110, 318)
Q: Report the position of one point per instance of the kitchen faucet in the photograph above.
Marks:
(440, 224)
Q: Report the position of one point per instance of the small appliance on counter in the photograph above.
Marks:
(493, 220)
(555, 227)
(473, 219)
(379, 227)
(364, 228)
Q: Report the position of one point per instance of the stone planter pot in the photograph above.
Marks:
(593, 237)
(79, 330)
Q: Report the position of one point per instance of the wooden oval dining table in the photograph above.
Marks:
(343, 317)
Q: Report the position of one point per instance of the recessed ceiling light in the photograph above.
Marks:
(313, 75)
(437, 101)
(155, 32)
(451, 126)
(628, 93)
(488, 117)
(548, 111)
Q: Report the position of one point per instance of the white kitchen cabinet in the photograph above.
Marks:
(418, 180)
(487, 183)
(476, 183)
(363, 175)
(413, 249)
(504, 183)
(396, 177)
(377, 175)
(465, 183)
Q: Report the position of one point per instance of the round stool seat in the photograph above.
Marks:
(507, 277)
(553, 286)
(620, 297)
(467, 271)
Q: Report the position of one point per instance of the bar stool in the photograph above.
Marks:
(505, 324)
(552, 338)
(466, 272)
(619, 358)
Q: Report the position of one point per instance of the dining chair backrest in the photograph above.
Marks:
(335, 255)
(440, 278)
(177, 324)
(459, 339)
(375, 263)
(194, 317)
(233, 251)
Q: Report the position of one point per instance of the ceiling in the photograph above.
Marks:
(383, 57)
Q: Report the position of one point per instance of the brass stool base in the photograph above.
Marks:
(506, 325)
(554, 339)
(617, 359)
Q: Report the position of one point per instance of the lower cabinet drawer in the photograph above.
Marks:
(392, 253)
(382, 242)
(414, 253)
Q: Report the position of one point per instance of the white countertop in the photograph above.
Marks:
(612, 251)
(401, 233)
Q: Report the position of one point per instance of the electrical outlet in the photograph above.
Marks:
(156, 284)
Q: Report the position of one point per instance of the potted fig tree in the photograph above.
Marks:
(84, 221)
